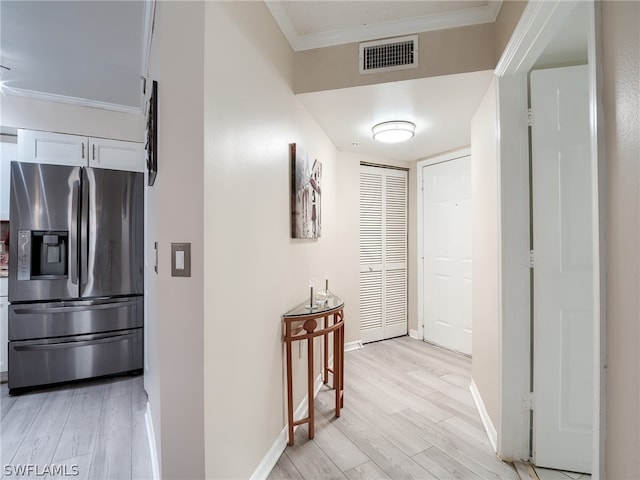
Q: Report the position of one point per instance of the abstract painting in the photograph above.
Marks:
(306, 217)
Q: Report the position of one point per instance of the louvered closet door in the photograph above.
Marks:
(383, 253)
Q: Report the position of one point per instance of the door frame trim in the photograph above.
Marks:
(536, 28)
(445, 157)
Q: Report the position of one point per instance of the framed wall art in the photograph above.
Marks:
(152, 135)
(306, 194)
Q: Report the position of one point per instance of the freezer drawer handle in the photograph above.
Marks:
(80, 308)
(56, 346)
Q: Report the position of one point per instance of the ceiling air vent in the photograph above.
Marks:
(392, 54)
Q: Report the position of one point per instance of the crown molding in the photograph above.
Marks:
(427, 23)
(82, 102)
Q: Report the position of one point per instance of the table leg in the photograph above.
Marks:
(289, 392)
(337, 361)
(326, 352)
(311, 385)
(342, 365)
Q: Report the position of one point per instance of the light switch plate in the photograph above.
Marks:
(180, 259)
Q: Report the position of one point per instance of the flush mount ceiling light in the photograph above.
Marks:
(393, 132)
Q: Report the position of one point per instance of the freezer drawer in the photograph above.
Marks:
(33, 363)
(59, 319)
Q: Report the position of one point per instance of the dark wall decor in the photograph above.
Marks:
(306, 176)
(152, 134)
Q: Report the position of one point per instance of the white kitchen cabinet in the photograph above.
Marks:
(52, 148)
(116, 154)
(8, 152)
(75, 150)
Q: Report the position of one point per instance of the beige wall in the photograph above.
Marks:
(621, 98)
(175, 343)
(442, 52)
(22, 112)
(254, 271)
(485, 290)
(508, 17)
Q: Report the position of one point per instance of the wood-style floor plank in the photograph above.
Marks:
(403, 438)
(409, 412)
(40, 441)
(443, 466)
(87, 430)
(375, 445)
(285, 469)
(79, 434)
(12, 430)
(310, 460)
(6, 400)
(367, 471)
(113, 439)
(335, 444)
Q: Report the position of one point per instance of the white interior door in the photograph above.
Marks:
(383, 253)
(562, 286)
(447, 253)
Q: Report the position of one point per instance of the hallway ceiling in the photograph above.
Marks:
(441, 107)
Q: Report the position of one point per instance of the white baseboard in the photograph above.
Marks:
(153, 452)
(353, 345)
(414, 334)
(484, 416)
(271, 458)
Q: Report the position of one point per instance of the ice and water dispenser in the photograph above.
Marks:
(42, 254)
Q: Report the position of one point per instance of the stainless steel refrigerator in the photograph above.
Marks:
(76, 283)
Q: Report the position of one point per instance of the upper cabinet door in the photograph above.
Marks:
(52, 148)
(116, 155)
(8, 153)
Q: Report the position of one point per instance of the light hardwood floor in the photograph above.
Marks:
(94, 428)
(408, 415)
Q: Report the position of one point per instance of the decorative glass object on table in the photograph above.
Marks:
(322, 296)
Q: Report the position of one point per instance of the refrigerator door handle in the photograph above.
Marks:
(84, 230)
(88, 306)
(72, 344)
(74, 233)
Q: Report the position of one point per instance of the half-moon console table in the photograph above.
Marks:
(305, 323)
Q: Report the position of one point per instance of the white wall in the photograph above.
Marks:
(22, 112)
(254, 271)
(485, 242)
(174, 380)
(621, 99)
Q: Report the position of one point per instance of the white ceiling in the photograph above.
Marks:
(94, 52)
(323, 23)
(441, 107)
(90, 52)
